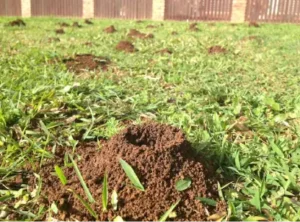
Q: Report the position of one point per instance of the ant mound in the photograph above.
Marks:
(216, 50)
(174, 33)
(86, 62)
(18, 22)
(125, 46)
(150, 26)
(193, 27)
(88, 22)
(59, 31)
(165, 51)
(161, 158)
(254, 24)
(50, 40)
(110, 29)
(64, 24)
(76, 25)
(133, 33)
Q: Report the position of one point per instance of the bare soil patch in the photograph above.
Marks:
(125, 46)
(17, 22)
(59, 31)
(110, 29)
(216, 50)
(160, 156)
(84, 62)
(133, 33)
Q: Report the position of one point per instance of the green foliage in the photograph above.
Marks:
(59, 172)
(183, 184)
(165, 216)
(104, 193)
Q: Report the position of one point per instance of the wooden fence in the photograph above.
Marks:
(124, 9)
(10, 8)
(67, 8)
(198, 9)
(273, 11)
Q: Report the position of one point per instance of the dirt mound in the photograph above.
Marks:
(88, 44)
(165, 51)
(76, 25)
(86, 62)
(253, 24)
(193, 27)
(53, 40)
(139, 21)
(59, 31)
(216, 50)
(133, 33)
(88, 22)
(159, 155)
(110, 29)
(125, 46)
(150, 26)
(64, 24)
(18, 22)
(174, 33)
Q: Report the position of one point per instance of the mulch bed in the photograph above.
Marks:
(160, 156)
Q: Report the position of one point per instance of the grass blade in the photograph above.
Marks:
(85, 204)
(165, 216)
(83, 184)
(131, 175)
(60, 174)
(207, 201)
(183, 184)
(104, 193)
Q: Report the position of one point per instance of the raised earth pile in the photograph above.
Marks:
(18, 22)
(133, 33)
(59, 31)
(165, 51)
(110, 29)
(174, 33)
(150, 26)
(125, 46)
(193, 27)
(64, 24)
(88, 22)
(84, 62)
(160, 156)
(254, 24)
(216, 49)
(76, 25)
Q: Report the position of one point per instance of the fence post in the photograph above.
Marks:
(26, 8)
(238, 11)
(158, 9)
(88, 9)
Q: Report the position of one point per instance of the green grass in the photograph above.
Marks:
(241, 109)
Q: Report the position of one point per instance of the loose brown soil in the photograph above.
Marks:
(86, 62)
(88, 44)
(254, 24)
(53, 40)
(216, 50)
(76, 25)
(110, 29)
(18, 22)
(160, 156)
(150, 26)
(165, 51)
(133, 33)
(64, 24)
(88, 22)
(193, 27)
(125, 46)
(59, 31)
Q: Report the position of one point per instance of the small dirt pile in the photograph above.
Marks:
(165, 51)
(88, 22)
(150, 26)
(216, 50)
(59, 31)
(18, 22)
(133, 33)
(253, 24)
(110, 29)
(64, 24)
(125, 46)
(174, 33)
(84, 62)
(159, 155)
(50, 40)
(193, 27)
(76, 25)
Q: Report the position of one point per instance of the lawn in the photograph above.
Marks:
(240, 108)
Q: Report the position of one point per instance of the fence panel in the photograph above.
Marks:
(198, 9)
(64, 8)
(124, 9)
(10, 8)
(273, 11)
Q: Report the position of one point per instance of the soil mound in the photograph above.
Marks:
(86, 62)
(64, 24)
(150, 26)
(174, 33)
(18, 22)
(59, 31)
(76, 25)
(88, 22)
(254, 24)
(125, 46)
(193, 27)
(216, 50)
(160, 156)
(50, 40)
(165, 51)
(110, 29)
(133, 33)
(88, 44)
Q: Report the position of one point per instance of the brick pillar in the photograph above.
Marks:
(238, 11)
(88, 9)
(26, 8)
(158, 9)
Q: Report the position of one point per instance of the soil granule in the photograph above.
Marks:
(18, 22)
(76, 25)
(216, 50)
(165, 51)
(125, 46)
(59, 31)
(88, 22)
(253, 24)
(110, 29)
(160, 156)
(133, 33)
(193, 27)
(83, 62)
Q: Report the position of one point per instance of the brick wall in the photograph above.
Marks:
(158, 9)
(238, 11)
